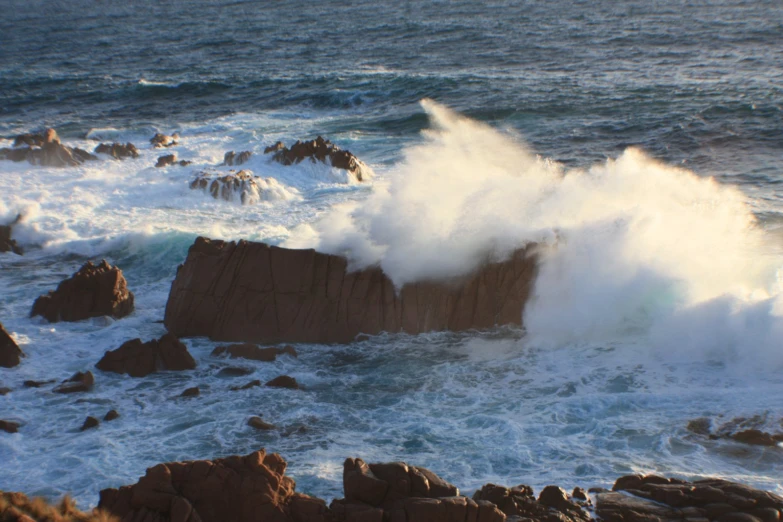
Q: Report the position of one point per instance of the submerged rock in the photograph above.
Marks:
(241, 186)
(93, 291)
(79, 382)
(162, 141)
(253, 352)
(118, 150)
(191, 392)
(252, 292)
(10, 353)
(320, 150)
(139, 359)
(283, 381)
(171, 159)
(9, 426)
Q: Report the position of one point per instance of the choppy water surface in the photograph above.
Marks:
(640, 143)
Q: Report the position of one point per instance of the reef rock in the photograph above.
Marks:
(10, 354)
(6, 243)
(118, 150)
(233, 159)
(45, 149)
(251, 292)
(138, 359)
(253, 352)
(171, 159)
(162, 141)
(319, 149)
(242, 186)
(79, 382)
(93, 291)
(253, 488)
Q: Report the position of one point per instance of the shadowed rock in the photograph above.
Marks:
(80, 382)
(191, 392)
(162, 141)
(253, 352)
(138, 359)
(233, 159)
(89, 423)
(259, 424)
(283, 381)
(9, 427)
(6, 243)
(118, 150)
(171, 159)
(111, 415)
(93, 291)
(10, 353)
(252, 292)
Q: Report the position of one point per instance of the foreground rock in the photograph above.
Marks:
(242, 187)
(46, 150)
(321, 150)
(139, 359)
(6, 243)
(118, 150)
(93, 291)
(252, 292)
(10, 353)
(253, 352)
(16, 507)
(238, 489)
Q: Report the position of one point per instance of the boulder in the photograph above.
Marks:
(79, 382)
(283, 381)
(9, 426)
(191, 392)
(252, 488)
(233, 159)
(162, 141)
(6, 243)
(259, 424)
(139, 359)
(251, 292)
(89, 423)
(111, 415)
(93, 291)
(10, 354)
(241, 186)
(320, 150)
(253, 352)
(118, 150)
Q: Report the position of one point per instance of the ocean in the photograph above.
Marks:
(640, 144)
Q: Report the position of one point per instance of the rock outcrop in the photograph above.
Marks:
(6, 243)
(45, 149)
(251, 292)
(233, 159)
(171, 159)
(162, 141)
(9, 426)
(318, 149)
(93, 291)
(253, 352)
(79, 382)
(17, 507)
(10, 353)
(253, 488)
(139, 359)
(747, 430)
(241, 186)
(118, 150)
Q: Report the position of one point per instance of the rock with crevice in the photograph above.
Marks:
(93, 291)
(320, 150)
(252, 292)
(138, 359)
(10, 353)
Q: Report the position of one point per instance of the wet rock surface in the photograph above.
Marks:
(7, 244)
(90, 423)
(283, 381)
(163, 141)
(171, 159)
(118, 150)
(240, 186)
(320, 150)
(137, 358)
(253, 352)
(46, 150)
(79, 382)
(10, 353)
(747, 430)
(232, 158)
(252, 292)
(93, 291)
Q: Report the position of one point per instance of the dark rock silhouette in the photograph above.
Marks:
(162, 141)
(233, 159)
(45, 149)
(171, 159)
(79, 382)
(138, 359)
(111, 415)
(9, 426)
(253, 352)
(746, 430)
(318, 149)
(10, 353)
(118, 150)
(283, 381)
(6, 243)
(89, 423)
(191, 392)
(259, 424)
(93, 291)
(252, 292)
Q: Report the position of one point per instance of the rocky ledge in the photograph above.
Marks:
(45, 149)
(251, 292)
(320, 150)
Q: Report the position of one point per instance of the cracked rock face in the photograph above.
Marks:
(251, 292)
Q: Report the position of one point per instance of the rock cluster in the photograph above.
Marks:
(251, 292)
(231, 158)
(741, 429)
(17, 507)
(10, 354)
(93, 291)
(162, 141)
(318, 149)
(139, 359)
(241, 186)
(118, 150)
(6, 243)
(45, 149)
(171, 159)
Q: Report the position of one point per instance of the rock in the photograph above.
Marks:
(251, 384)
(37, 384)
(191, 392)
(241, 186)
(90, 422)
(700, 426)
(6, 243)
(253, 352)
(118, 150)
(252, 292)
(321, 150)
(579, 494)
(757, 437)
(739, 429)
(9, 426)
(552, 505)
(138, 359)
(93, 291)
(4, 390)
(165, 161)
(231, 158)
(111, 415)
(234, 371)
(79, 382)
(17, 507)
(10, 353)
(34, 139)
(253, 488)
(162, 141)
(283, 381)
(46, 150)
(259, 424)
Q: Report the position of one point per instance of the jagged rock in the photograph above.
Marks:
(118, 150)
(319, 149)
(35, 139)
(241, 186)
(251, 384)
(740, 429)
(93, 291)
(45, 149)
(89, 423)
(233, 159)
(553, 504)
(253, 352)
(79, 382)
(10, 354)
(283, 381)
(191, 392)
(17, 507)
(6, 243)
(171, 159)
(252, 292)
(9, 427)
(253, 488)
(259, 424)
(138, 359)
(162, 141)
(111, 415)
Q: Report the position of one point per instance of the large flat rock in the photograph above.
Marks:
(253, 292)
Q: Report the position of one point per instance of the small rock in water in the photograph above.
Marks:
(283, 381)
(111, 415)
(251, 384)
(234, 371)
(191, 392)
(79, 382)
(37, 384)
(90, 422)
(5, 391)
(8, 426)
(259, 424)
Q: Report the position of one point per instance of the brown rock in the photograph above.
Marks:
(118, 150)
(283, 381)
(90, 422)
(6, 243)
(79, 382)
(4, 390)
(321, 150)
(241, 186)
(37, 384)
(233, 159)
(274, 148)
(9, 426)
(10, 354)
(234, 371)
(756, 437)
(259, 424)
(93, 291)
(253, 352)
(162, 141)
(256, 293)
(361, 485)
(111, 415)
(191, 392)
(17, 507)
(251, 384)
(138, 359)
(165, 161)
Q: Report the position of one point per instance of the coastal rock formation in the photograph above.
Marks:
(162, 141)
(242, 186)
(118, 150)
(17, 507)
(6, 243)
(93, 291)
(747, 430)
(233, 159)
(252, 292)
(9, 426)
(253, 488)
(10, 354)
(139, 359)
(171, 159)
(318, 149)
(283, 381)
(79, 382)
(253, 352)
(45, 149)
(553, 504)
